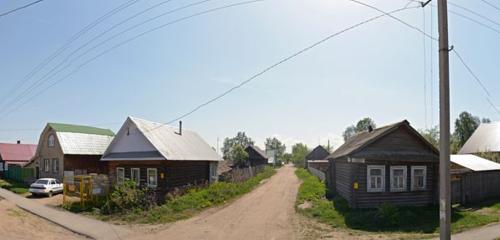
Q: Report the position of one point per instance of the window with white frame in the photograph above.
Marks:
(46, 165)
(418, 177)
(55, 165)
(135, 175)
(376, 178)
(120, 175)
(398, 178)
(51, 141)
(152, 177)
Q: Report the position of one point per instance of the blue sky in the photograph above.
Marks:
(376, 70)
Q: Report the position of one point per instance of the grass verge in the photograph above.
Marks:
(16, 187)
(311, 202)
(186, 205)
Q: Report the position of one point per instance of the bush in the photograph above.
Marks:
(128, 197)
(388, 214)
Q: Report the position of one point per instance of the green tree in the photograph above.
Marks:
(299, 152)
(273, 144)
(239, 155)
(431, 135)
(361, 126)
(465, 125)
(240, 139)
(287, 157)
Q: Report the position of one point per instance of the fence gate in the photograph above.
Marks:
(85, 188)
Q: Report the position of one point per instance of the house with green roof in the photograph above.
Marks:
(70, 150)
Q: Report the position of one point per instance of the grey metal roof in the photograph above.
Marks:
(83, 144)
(486, 138)
(164, 139)
(474, 162)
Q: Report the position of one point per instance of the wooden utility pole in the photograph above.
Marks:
(444, 124)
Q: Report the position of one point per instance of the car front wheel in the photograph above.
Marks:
(50, 194)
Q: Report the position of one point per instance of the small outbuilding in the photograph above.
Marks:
(256, 156)
(160, 157)
(317, 157)
(392, 164)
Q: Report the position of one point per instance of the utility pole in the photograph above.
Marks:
(444, 124)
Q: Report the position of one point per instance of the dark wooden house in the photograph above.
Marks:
(256, 156)
(392, 164)
(317, 157)
(159, 157)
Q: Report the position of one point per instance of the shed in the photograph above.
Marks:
(160, 157)
(392, 164)
(317, 157)
(256, 156)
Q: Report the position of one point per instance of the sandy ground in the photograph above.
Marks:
(17, 224)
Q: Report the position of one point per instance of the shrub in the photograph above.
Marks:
(127, 197)
(388, 214)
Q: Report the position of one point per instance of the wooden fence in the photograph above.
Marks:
(473, 187)
(316, 172)
(242, 174)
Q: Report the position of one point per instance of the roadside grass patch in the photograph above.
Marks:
(15, 187)
(179, 207)
(387, 218)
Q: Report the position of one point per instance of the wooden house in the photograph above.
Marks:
(15, 154)
(159, 157)
(317, 157)
(392, 164)
(485, 139)
(70, 150)
(256, 156)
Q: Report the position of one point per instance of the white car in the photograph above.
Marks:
(46, 186)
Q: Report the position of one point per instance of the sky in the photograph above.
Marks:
(381, 70)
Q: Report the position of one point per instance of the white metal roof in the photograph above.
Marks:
(474, 162)
(486, 138)
(187, 146)
(83, 144)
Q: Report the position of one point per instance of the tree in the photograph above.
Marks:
(240, 139)
(287, 157)
(431, 135)
(277, 146)
(239, 155)
(299, 152)
(361, 126)
(465, 126)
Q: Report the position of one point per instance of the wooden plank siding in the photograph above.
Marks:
(343, 179)
(90, 163)
(176, 173)
(365, 199)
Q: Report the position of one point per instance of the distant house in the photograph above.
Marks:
(473, 179)
(486, 138)
(159, 157)
(70, 150)
(318, 157)
(256, 156)
(392, 164)
(15, 154)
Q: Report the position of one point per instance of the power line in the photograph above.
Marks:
(472, 20)
(475, 13)
(19, 8)
(424, 39)
(491, 5)
(267, 69)
(432, 69)
(53, 71)
(125, 42)
(75, 37)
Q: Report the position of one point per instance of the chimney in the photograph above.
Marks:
(18, 141)
(180, 128)
(370, 128)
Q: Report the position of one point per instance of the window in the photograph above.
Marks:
(418, 177)
(398, 178)
(51, 141)
(135, 175)
(152, 177)
(46, 165)
(55, 165)
(375, 178)
(120, 175)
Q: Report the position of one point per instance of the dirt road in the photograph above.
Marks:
(265, 213)
(16, 223)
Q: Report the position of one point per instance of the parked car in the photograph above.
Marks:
(46, 186)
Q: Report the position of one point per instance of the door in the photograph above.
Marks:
(37, 172)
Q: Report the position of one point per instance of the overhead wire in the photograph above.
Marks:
(19, 8)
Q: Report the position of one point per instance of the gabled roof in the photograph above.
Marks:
(486, 138)
(70, 128)
(258, 151)
(17, 152)
(474, 162)
(318, 153)
(363, 139)
(156, 138)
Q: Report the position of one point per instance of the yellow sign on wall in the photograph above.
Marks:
(356, 185)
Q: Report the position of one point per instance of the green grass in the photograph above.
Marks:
(389, 218)
(16, 187)
(187, 205)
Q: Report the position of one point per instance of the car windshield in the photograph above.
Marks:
(42, 181)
